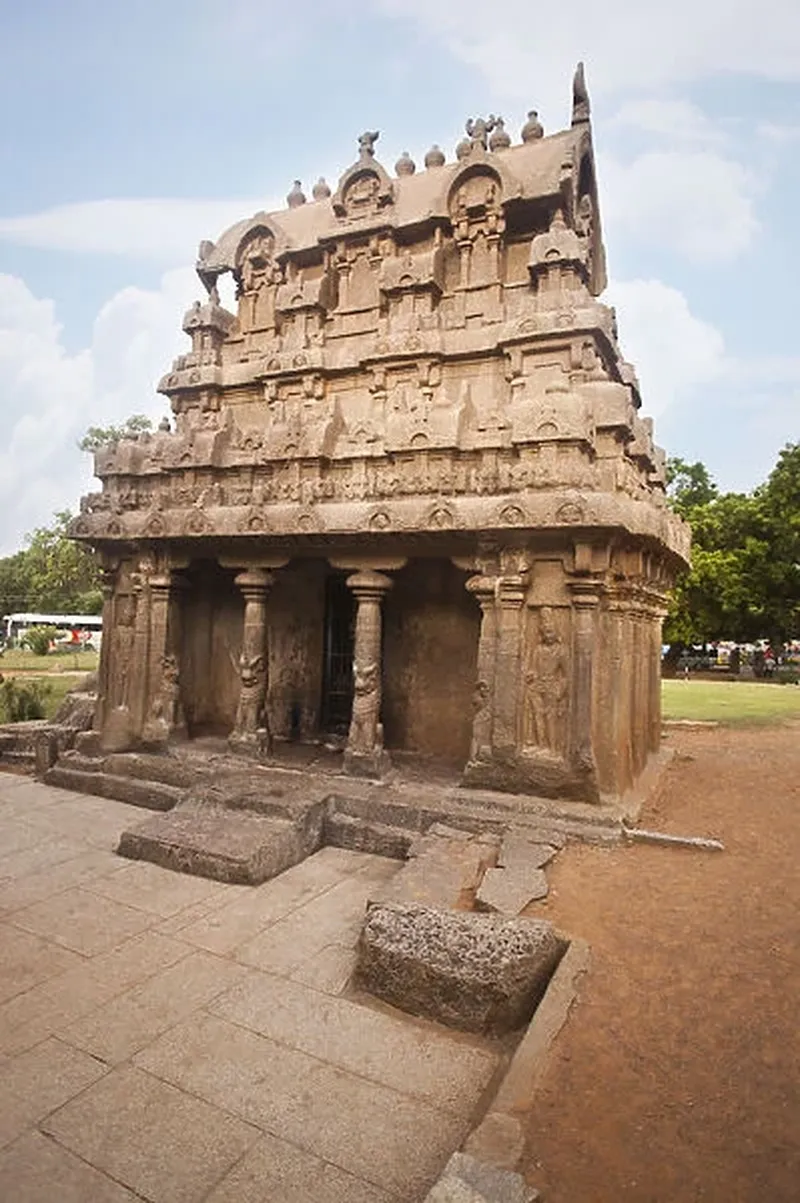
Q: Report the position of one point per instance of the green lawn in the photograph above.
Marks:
(729, 701)
(54, 662)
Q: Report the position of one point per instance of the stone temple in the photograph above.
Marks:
(409, 501)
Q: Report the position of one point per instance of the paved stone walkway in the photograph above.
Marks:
(172, 1039)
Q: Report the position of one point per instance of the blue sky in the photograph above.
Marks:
(132, 131)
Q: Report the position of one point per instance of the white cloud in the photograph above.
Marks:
(679, 121)
(674, 352)
(165, 230)
(526, 55)
(49, 397)
(695, 202)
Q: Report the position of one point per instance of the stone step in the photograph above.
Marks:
(365, 835)
(17, 756)
(239, 847)
(150, 766)
(79, 761)
(151, 795)
(402, 814)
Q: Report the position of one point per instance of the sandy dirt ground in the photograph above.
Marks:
(677, 1077)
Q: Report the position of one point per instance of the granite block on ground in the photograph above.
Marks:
(478, 972)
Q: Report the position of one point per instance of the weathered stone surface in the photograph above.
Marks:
(518, 849)
(382, 839)
(481, 973)
(77, 709)
(465, 1179)
(444, 872)
(238, 846)
(510, 890)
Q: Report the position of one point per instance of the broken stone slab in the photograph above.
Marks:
(510, 890)
(465, 1179)
(442, 831)
(477, 972)
(519, 849)
(443, 872)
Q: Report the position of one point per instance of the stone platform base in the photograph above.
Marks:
(240, 847)
(234, 819)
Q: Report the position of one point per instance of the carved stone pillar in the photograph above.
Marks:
(658, 612)
(251, 732)
(108, 577)
(124, 723)
(483, 589)
(165, 716)
(511, 589)
(585, 597)
(365, 755)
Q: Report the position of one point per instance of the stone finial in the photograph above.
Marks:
(464, 149)
(580, 97)
(164, 425)
(295, 197)
(320, 191)
(366, 144)
(405, 165)
(500, 139)
(533, 129)
(479, 129)
(435, 157)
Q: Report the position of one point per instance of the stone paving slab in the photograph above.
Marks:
(328, 970)
(152, 1137)
(416, 1059)
(276, 1170)
(147, 888)
(39, 1081)
(116, 1081)
(25, 889)
(335, 915)
(253, 909)
(34, 1169)
(78, 920)
(53, 1004)
(387, 1138)
(132, 1020)
(27, 959)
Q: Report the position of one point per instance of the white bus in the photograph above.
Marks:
(83, 629)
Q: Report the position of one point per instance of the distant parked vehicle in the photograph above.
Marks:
(84, 630)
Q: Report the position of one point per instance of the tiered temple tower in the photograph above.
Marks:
(408, 496)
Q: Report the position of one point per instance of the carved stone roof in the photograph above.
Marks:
(548, 167)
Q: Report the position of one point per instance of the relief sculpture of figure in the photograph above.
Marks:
(166, 712)
(250, 710)
(366, 732)
(546, 682)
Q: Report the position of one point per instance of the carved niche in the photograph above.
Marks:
(257, 276)
(478, 223)
(365, 188)
(546, 696)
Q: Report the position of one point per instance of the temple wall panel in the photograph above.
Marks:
(211, 642)
(295, 625)
(430, 656)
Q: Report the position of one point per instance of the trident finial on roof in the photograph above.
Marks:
(580, 97)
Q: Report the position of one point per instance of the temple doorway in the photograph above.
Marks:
(337, 666)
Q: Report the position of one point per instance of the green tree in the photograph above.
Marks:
(102, 436)
(689, 485)
(53, 573)
(744, 583)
